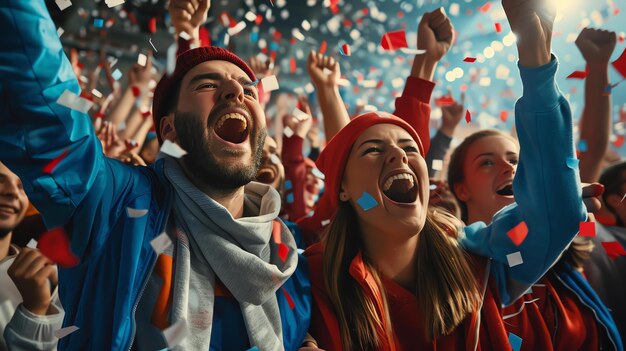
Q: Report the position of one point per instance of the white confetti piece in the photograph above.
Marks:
(275, 159)
(237, 28)
(514, 259)
(113, 3)
(184, 35)
(172, 149)
(288, 132)
(96, 93)
(160, 243)
(63, 4)
(250, 16)
(142, 60)
(74, 102)
(176, 333)
(150, 41)
(316, 172)
(63, 332)
(32, 244)
(270, 83)
(299, 114)
(325, 222)
(412, 51)
(135, 213)
(60, 31)
(117, 74)
(437, 165)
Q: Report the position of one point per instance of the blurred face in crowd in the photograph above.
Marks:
(271, 171)
(13, 201)
(385, 162)
(219, 122)
(489, 167)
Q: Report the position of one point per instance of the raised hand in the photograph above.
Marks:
(532, 22)
(141, 75)
(262, 68)
(188, 15)
(596, 45)
(435, 34)
(316, 65)
(451, 115)
(300, 125)
(35, 277)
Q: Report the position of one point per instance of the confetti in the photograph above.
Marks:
(117, 74)
(135, 213)
(367, 201)
(325, 222)
(614, 249)
(485, 8)
(289, 299)
(288, 184)
(172, 149)
(290, 199)
(587, 229)
(582, 145)
(437, 165)
(63, 4)
(323, 47)
(288, 132)
(292, 65)
(518, 233)
(394, 40)
(60, 31)
(98, 22)
(444, 101)
(572, 163)
(52, 164)
(74, 102)
(620, 64)
(237, 28)
(468, 116)
(113, 3)
(55, 245)
(32, 244)
(63, 332)
(316, 172)
(275, 159)
(344, 50)
(142, 59)
(504, 115)
(412, 51)
(160, 243)
(469, 59)
(514, 259)
(152, 25)
(176, 333)
(515, 341)
(184, 35)
(283, 250)
(578, 75)
(269, 83)
(498, 27)
(150, 41)
(299, 114)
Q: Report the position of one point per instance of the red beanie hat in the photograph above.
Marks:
(332, 162)
(168, 85)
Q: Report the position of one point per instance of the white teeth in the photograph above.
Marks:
(234, 115)
(391, 179)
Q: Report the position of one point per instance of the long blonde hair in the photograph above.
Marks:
(446, 287)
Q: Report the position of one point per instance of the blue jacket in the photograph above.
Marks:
(86, 192)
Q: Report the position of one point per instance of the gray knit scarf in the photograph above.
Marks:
(241, 252)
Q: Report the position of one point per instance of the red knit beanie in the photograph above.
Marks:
(168, 85)
(332, 162)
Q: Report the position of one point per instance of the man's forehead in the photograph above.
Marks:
(223, 68)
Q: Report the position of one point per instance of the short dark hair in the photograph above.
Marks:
(612, 180)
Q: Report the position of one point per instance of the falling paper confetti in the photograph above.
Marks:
(518, 233)
(582, 145)
(172, 149)
(142, 60)
(176, 333)
(587, 229)
(288, 184)
(63, 332)
(299, 114)
(620, 64)
(74, 102)
(325, 222)
(275, 159)
(289, 299)
(32, 244)
(578, 75)
(288, 132)
(444, 101)
(52, 164)
(63, 4)
(290, 198)
(498, 28)
(344, 50)
(515, 341)
(514, 259)
(367, 201)
(117, 74)
(55, 245)
(134, 213)
(269, 83)
(113, 3)
(468, 116)
(437, 165)
(323, 47)
(614, 249)
(469, 59)
(572, 163)
(160, 243)
(394, 40)
(283, 250)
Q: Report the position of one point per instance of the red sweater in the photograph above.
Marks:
(404, 311)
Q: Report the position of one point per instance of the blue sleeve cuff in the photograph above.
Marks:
(540, 88)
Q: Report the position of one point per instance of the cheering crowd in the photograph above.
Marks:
(181, 212)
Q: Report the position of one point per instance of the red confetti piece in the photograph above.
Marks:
(55, 245)
(468, 116)
(469, 59)
(619, 141)
(323, 47)
(614, 249)
(394, 40)
(620, 64)
(345, 50)
(152, 25)
(136, 91)
(146, 114)
(577, 75)
(292, 65)
(518, 233)
(258, 20)
(288, 297)
(379, 84)
(52, 164)
(444, 101)
(277, 36)
(485, 8)
(347, 23)
(504, 115)
(498, 28)
(98, 115)
(283, 250)
(587, 229)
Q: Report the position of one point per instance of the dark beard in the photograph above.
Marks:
(201, 162)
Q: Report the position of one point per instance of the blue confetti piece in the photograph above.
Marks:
(117, 74)
(515, 341)
(367, 201)
(572, 163)
(256, 348)
(251, 84)
(274, 46)
(288, 184)
(608, 89)
(582, 145)
(254, 37)
(290, 198)
(98, 22)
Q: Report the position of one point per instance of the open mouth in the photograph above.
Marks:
(266, 175)
(401, 188)
(506, 190)
(8, 209)
(232, 127)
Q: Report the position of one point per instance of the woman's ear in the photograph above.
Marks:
(343, 194)
(168, 132)
(461, 192)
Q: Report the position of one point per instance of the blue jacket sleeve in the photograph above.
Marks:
(547, 189)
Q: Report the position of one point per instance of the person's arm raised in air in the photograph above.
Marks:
(435, 34)
(451, 115)
(188, 16)
(596, 46)
(546, 185)
(327, 89)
